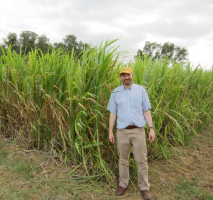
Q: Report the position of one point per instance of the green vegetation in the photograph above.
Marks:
(58, 102)
(29, 40)
(20, 180)
(3, 155)
(168, 50)
(190, 190)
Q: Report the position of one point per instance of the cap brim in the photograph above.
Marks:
(125, 72)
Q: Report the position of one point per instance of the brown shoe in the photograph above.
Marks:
(146, 194)
(120, 191)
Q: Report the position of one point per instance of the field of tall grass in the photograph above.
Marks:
(57, 103)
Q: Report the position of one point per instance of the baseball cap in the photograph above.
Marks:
(126, 70)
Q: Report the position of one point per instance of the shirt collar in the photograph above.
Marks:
(129, 87)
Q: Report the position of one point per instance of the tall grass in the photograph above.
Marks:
(180, 96)
(58, 102)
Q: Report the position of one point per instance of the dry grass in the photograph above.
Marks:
(36, 174)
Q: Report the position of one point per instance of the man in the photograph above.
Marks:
(130, 104)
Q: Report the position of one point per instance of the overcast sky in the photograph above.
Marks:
(186, 23)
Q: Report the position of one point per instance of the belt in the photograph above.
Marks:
(131, 127)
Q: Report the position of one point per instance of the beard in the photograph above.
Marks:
(127, 82)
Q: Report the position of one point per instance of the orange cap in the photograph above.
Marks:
(126, 70)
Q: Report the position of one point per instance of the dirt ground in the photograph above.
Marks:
(192, 163)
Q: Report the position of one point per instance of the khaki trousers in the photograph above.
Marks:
(126, 138)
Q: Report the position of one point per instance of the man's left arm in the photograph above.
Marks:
(148, 117)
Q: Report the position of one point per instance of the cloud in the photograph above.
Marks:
(183, 22)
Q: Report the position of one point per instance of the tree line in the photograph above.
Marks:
(29, 40)
(168, 50)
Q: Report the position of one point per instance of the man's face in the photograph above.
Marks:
(126, 78)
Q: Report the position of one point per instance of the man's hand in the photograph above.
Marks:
(151, 135)
(111, 137)
(112, 118)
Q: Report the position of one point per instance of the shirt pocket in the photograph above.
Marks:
(137, 103)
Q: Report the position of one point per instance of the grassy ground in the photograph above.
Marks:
(188, 174)
(31, 174)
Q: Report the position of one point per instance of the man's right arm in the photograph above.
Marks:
(112, 118)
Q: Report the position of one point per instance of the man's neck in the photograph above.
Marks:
(127, 86)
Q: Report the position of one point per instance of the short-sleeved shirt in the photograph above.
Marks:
(129, 105)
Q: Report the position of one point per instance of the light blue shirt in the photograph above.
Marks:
(129, 105)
